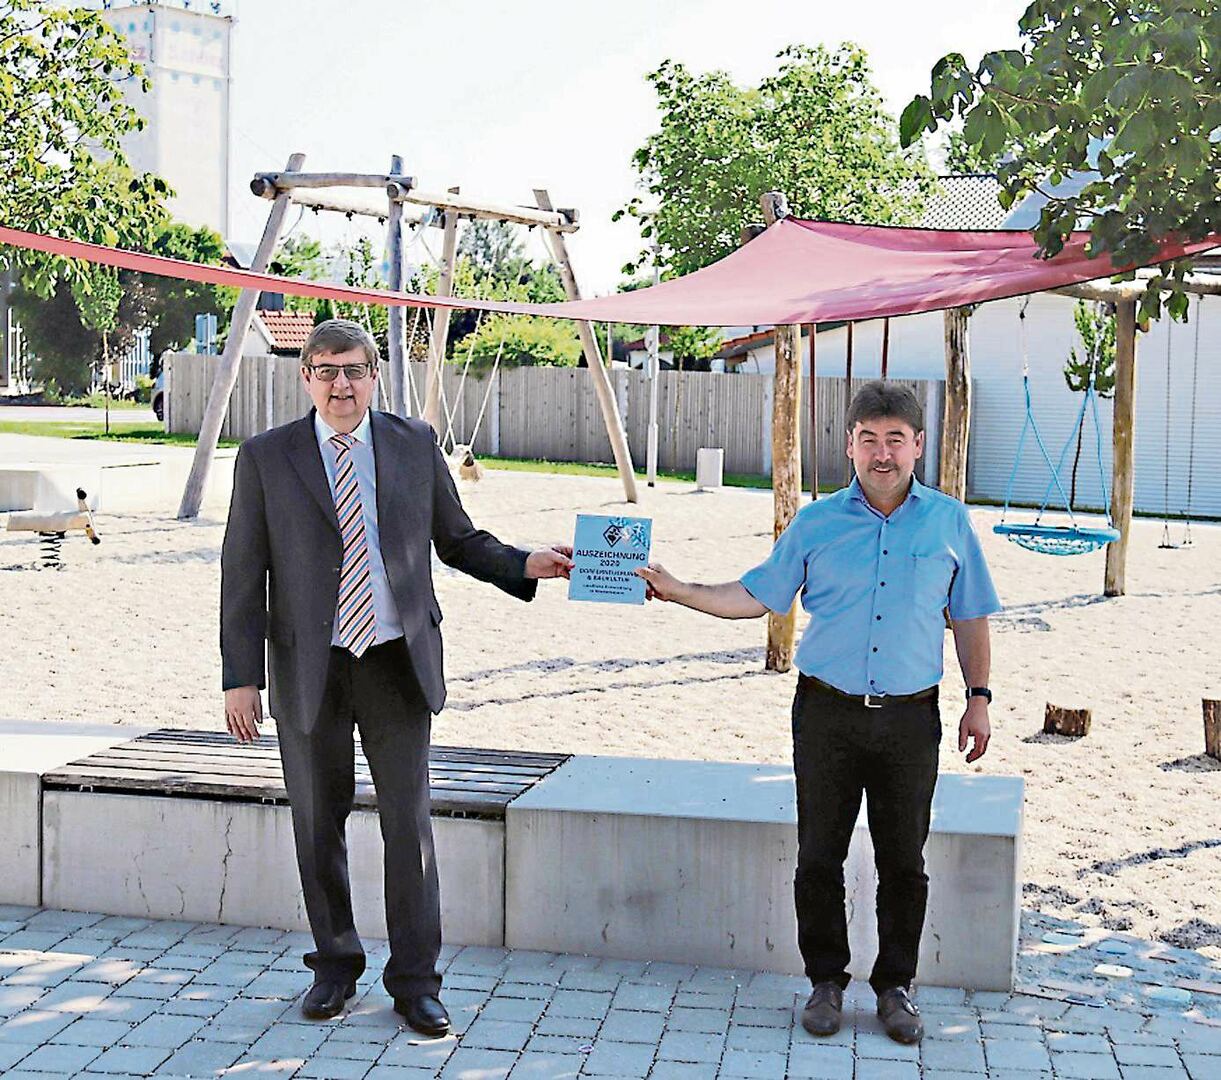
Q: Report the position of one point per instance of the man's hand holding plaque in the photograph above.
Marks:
(606, 553)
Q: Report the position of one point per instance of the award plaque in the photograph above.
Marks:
(606, 552)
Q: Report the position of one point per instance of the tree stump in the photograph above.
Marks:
(1212, 727)
(1060, 721)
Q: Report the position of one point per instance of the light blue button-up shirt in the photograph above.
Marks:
(385, 612)
(876, 587)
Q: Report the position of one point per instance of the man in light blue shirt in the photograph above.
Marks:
(877, 565)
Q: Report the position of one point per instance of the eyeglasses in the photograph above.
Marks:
(330, 372)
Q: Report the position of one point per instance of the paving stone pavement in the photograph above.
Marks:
(94, 996)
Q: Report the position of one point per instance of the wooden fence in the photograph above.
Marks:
(552, 413)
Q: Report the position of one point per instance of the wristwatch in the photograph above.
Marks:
(979, 691)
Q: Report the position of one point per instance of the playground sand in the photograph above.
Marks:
(1121, 826)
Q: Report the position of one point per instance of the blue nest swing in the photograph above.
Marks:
(1073, 538)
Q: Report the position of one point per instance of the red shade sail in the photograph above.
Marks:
(821, 271)
(796, 271)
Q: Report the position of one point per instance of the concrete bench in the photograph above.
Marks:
(193, 825)
(30, 750)
(628, 858)
(693, 862)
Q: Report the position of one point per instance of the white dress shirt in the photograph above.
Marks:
(385, 612)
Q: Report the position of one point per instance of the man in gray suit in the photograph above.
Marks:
(327, 558)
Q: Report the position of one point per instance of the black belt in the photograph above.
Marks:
(869, 701)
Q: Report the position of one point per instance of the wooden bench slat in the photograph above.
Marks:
(273, 772)
(131, 752)
(204, 784)
(105, 771)
(269, 744)
(462, 780)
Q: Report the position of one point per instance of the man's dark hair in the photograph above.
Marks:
(877, 399)
(338, 336)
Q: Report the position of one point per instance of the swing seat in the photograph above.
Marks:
(1057, 539)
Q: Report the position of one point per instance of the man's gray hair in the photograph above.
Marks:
(877, 399)
(338, 336)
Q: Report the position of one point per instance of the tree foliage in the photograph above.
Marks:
(1096, 325)
(1128, 94)
(693, 346)
(62, 120)
(170, 305)
(521, 341)
(816, 130)
(100, 310)
(963, 158)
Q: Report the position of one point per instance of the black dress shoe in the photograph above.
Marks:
(424, 1013)
(824, 1012)
(900, 1017)
(325, 999)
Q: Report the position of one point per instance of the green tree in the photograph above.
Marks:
(961, 157)
(1096, 325)
(693, 346)
(815, 130)
(303, 257)
(521, 341)
(62, 347)
(1127, 93)
(170, 305)
(62, 166)
(100, 311)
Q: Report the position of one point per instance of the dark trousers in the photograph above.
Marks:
(841, 749)
(379, 695)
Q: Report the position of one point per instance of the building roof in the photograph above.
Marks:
(965, 201)
(737, 349)
(287, 330)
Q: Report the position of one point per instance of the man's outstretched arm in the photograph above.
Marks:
(729, 600)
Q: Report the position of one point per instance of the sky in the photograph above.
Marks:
(501, 98)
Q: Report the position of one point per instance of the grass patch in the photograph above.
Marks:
(122, 431)
(98, 401)
(581, 468)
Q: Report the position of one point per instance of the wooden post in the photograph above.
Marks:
(813, 392)
(396, 331)
(1123, 444)
(956, 419)
(847, 399)
(1058, 720)
(885, 346)
(593, 357)
(786, 451)
(230, 361)
(440, 323)
(1212, 727)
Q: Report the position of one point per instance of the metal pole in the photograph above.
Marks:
(654, 343)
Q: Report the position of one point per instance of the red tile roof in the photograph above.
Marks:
(288, 329)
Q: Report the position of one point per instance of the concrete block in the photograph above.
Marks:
(234, 862)
(30, 750)
(693, 862)
(127, 484)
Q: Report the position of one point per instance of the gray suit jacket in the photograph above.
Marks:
(282, 551)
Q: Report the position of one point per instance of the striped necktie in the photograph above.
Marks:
(357, 625)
